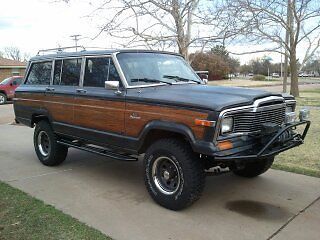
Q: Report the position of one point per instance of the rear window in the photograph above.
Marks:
(71, 72)
(40, 73)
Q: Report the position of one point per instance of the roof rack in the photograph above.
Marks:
(60, 49)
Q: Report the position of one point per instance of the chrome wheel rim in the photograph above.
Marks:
(166, 175)
(1, 99)
(44, 143)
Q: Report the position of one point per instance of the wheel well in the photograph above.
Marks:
(37, 118)
(156, 134)
(1, 91)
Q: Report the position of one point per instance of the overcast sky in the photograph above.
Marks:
(38, 24)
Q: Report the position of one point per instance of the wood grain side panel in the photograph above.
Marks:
(99, 114)
(148, 113)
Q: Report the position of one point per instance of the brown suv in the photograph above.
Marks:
(125, 103)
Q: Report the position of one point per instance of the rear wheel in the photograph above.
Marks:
(49, 152)
(254, 169)
(174, 175)
(3, 98)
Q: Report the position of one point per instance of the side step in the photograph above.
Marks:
(97, 150)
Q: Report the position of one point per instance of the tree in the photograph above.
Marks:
(163, 24)
(233, 64)
(13, 53)
(207, 61)
(265, 21)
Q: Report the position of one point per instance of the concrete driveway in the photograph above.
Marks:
(110, 196)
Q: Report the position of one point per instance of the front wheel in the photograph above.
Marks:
(3, 98)
(174, 175)
(254, 169)
(49, 152)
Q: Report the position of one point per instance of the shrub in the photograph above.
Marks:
(259, 77)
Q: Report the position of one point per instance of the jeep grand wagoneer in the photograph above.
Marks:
(127, 103)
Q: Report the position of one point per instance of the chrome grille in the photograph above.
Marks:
(251, 121)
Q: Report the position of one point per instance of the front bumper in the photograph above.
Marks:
(277, 143)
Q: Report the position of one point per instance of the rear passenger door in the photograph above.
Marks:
(99, 112)
(61, 92)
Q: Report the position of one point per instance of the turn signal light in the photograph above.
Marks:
(224, 145)
(205, 123)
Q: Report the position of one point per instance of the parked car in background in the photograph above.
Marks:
(275, 75)
(250, 74)
(8, 87)
(204, 75)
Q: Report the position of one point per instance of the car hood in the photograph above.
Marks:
(214, 98)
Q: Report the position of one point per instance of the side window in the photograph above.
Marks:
(113, 73)
(57, 72)
(96, 72)
(40, 73)
(18, 81)
(71, 72)
(99, 70)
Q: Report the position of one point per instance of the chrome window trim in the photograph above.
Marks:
(254, 107)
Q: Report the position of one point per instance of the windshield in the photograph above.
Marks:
(5, 81)
(151, 68)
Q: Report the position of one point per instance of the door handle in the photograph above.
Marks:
(49, 89)
(81, 90)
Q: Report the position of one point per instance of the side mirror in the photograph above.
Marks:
(11, 84)
(111, 85)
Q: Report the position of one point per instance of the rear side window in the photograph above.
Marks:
(40, 73)
(99, 70)
(71, 72)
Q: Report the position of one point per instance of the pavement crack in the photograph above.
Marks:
(40, 175)
(292, 218)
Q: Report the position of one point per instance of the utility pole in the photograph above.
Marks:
(286, 57)
(76, 39)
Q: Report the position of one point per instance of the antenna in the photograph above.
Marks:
(75, 38)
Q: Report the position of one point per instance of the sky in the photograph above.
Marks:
(31, 25)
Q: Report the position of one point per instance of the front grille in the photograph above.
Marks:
(251, 121)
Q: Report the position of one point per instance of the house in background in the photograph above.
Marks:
(9, 68)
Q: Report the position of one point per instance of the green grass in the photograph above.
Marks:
(305, 159)
(24, 217)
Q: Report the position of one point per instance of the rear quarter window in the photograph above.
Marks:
(40, 73)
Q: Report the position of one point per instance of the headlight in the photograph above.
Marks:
(289, 109)
(226, 125)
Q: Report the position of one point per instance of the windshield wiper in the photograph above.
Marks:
(180, 78)
(149, 80)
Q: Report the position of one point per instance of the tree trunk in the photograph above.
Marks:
(294, 73)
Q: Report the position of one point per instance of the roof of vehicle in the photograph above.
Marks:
(4, 62)
(95, 53)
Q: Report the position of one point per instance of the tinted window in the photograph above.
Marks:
(40, 73)
(99, 70)
(96, 72)
(57, 72)
(17, 81)
(71, 72)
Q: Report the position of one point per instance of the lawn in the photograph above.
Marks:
(24, 217)
(305, 159)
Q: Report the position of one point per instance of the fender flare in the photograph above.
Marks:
(169, 127)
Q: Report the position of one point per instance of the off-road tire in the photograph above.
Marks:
(254, 169)
(4, 97)
(190, 169)
(56, 153)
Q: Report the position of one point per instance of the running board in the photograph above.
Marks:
(97, 150)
